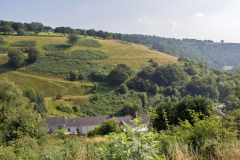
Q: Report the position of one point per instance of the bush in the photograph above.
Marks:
(109, 126)
(60, 133)
(88, 43)
(5, 50)
(119, 74)
(123, 89)
(172, 113)
(64, 108)
(16, 58)
(98, 77)
(33, 55)
(56, 47)
(59, 95)
(24, 43)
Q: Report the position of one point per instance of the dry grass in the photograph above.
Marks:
(227, 152)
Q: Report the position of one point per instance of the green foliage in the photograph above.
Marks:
(33, 55)
(24, 43)
(205, 135)
(63, 108)
(119, 74)
(64, 66)
(109, 126)
(130, 145)
(7, 29)
(5, 50)
(80, 54)
(123, 89)
(98, 77)
(56, 47)
(40, 105)
(16, 58)
(88, 43)
(60, 132)
(59, 95)
(165, 76)
(30, 94)
(17, 118)
(171, 114)
(2, 41)
(129, 109)
(72, 38)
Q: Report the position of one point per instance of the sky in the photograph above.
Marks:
(200, 19)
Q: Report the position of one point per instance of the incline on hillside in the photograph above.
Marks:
(44, 75)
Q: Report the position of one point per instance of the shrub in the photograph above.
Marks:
(59, 95)
(72, 38)
(24, 43)
(123, 89)
(16, 58)
(5, 50)
(119, 75)
(88, 43)
(107, 127)
(98, 77)
(33, 55)
(60, 133)
(56, 47)
(172, 113)
(64, 108)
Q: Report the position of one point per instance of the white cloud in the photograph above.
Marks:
(174, 25)
(146, 20)
(198, 15)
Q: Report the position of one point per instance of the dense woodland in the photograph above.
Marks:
(180, 98)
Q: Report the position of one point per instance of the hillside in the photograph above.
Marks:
(49, 74)
(214, 54)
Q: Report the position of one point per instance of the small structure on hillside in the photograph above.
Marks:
(82, 125)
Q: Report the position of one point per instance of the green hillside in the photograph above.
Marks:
(49, 73)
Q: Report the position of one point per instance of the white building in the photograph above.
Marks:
(84, 124)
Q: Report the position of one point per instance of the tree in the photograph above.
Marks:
(16, 58)
(119, 74)
(172, 113)
(37, 27)
(40, 106)
(31, 94)
(72, 38)
(17, 118)
(6, 29)
(33, 55)
(20, 32)
(17, 26)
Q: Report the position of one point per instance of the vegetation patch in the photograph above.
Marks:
(64, 66)
(88, 43)
(56, 47)
(80, 54)
(5, 50)
(24, 43)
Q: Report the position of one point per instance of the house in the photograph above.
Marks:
(84, 124)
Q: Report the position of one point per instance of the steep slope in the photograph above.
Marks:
(50, 83)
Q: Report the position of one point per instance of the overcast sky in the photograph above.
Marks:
(200, 19)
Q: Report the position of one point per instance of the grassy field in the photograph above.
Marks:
(133, 55)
